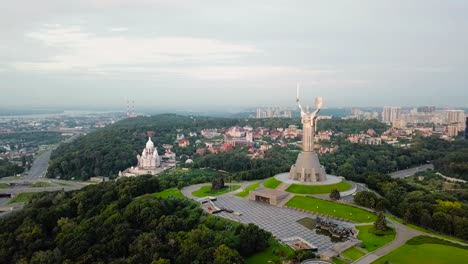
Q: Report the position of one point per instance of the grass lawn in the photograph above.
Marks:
(418, 228)
(269, 254)
(206, 191)
(332, 209)
(271, 183)
(42, 184)
(169, 192)
(318, 189)
(4, 185)
(21, 198)
(425, 253)
(370, 241)
(245, 192)
(353, 253)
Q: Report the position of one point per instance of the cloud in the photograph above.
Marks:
(77, 50)
(118, 29)
(120, 56)
(247, 72)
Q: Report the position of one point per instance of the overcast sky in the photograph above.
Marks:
(194, 54)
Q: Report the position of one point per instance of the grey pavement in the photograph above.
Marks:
(403, 234)
(411, 171)
(280, 221)
(41, 162)
(39, 166)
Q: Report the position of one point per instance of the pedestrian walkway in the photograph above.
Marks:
(285, 200)
(283, 186)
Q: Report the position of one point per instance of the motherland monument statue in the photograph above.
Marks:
(307, 167)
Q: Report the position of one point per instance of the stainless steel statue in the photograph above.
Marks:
(307, 167)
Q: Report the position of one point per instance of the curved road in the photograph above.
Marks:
(410, 172)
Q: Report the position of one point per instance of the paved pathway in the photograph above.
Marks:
(283, 186)
(403, 234)
(280, 221)
(285, 200)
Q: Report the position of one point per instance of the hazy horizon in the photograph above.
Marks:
(207, 55)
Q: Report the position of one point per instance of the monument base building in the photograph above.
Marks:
(307, 168)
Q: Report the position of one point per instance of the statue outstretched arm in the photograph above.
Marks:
(315, 115)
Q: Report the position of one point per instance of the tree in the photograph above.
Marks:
(252, 239)
(366, 199)
(46, 257)
(346, 170)
(225, 255)
(301, 255)
(381, 223)
(408, 217)
(380, 205)
(442, 222)
(426, 219)
(217, 183)
(335, 194)
(161, 261)
(180, 185)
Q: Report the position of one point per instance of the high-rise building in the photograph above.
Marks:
(426, 109)
(259, 113)
(389, 114)
(452, 130)
(454, 116)
(466, 128)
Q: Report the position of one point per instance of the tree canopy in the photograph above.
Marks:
(117, 223)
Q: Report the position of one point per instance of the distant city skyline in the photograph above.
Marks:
(217, 55)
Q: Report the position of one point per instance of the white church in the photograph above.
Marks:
(149, 162)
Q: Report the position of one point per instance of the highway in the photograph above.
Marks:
(41, 162)
(39, 166)
(410, 172)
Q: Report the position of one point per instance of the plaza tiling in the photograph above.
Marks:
(280, 221)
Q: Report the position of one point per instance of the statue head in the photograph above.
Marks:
(308, 109)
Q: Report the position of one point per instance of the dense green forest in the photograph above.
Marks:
(107, 151)
(114, 148)
(276, 160)
(118, 223)
(442, 211)
(354, 160)
(9, 169)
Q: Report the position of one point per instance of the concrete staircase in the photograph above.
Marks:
(283, 186)
(285, 200)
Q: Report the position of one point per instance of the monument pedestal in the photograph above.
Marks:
(307, 168)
